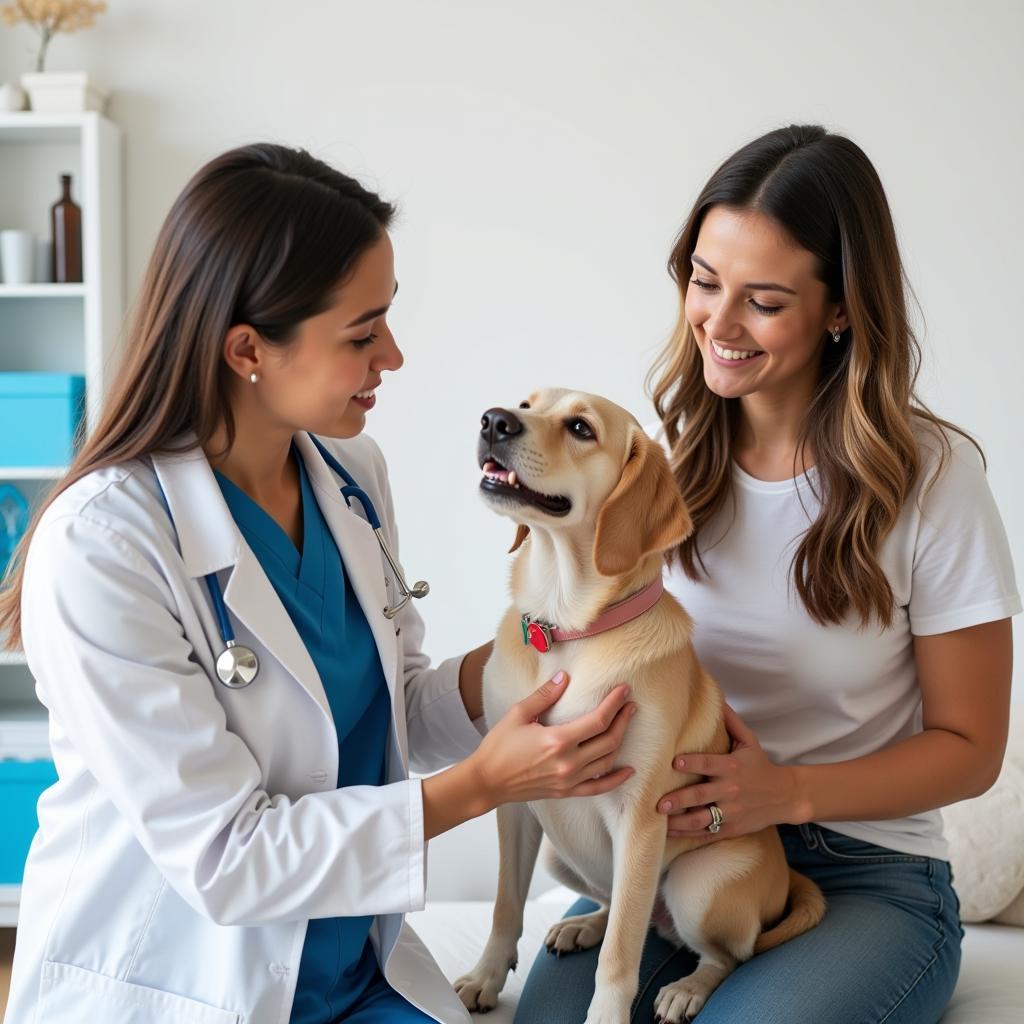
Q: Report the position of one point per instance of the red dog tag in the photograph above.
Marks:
(538, 637)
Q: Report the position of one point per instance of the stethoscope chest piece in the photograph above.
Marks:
(237, 666)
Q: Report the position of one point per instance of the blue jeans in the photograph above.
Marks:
(887, 950)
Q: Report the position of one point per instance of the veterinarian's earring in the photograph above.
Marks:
(254, 377)
(835, 334)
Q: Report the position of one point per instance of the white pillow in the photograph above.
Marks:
(1014, 913)
(986, 840)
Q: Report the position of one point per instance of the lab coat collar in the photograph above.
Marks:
(210, 541)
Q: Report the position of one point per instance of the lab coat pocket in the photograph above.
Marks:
(68, 993)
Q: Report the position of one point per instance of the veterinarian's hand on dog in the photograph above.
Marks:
(750, 790)
(521, 759)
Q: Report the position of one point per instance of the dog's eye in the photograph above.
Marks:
(524, 405)
(580, 429)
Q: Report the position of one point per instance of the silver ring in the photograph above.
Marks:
(716, 818)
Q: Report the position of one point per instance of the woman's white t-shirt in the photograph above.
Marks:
(820, 694)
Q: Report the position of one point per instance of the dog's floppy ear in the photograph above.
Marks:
(521, 531)
(644, 513)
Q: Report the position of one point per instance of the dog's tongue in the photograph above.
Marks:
(491, 469)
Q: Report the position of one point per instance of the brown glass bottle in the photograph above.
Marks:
(66, 223)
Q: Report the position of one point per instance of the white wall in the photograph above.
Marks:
(544, 154)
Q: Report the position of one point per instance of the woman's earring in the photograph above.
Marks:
(835, 337)
(254, 377)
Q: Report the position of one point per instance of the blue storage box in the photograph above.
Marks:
(21, 783)
(39, 415)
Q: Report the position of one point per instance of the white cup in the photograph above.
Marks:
(17, 256)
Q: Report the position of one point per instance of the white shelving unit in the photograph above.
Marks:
(42, 291)
(67, 328)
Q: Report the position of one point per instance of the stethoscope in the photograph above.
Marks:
(237, 665)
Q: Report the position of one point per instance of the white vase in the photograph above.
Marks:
(63, 92)
(11, 97)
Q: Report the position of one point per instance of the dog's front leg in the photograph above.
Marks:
(519, 836)
(638, 847)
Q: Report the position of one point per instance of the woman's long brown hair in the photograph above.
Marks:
(863, 420)
(261, 235)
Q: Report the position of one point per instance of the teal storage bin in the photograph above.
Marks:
(21, 783)
(39, 415)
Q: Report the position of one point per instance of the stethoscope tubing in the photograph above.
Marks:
(237, 665)
(352, 490)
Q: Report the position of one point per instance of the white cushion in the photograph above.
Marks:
(990, 990)
(991, 985)
(986, 840)
(1014, 913)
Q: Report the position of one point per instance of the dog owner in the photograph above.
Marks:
(220, 847)
(851, 585)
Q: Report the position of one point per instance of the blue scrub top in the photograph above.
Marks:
(338, 963)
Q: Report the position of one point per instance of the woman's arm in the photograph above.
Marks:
(454, 796)
(964, 677)
(142, 729)
(965, 695)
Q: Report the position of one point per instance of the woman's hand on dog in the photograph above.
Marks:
(520, 759)
(751, 791)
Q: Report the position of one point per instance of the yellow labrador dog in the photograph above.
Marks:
(596, 507)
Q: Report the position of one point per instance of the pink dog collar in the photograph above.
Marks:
(542, 634)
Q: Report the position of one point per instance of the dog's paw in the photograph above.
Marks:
(479, 989)
(574, 934)
(681, 1001)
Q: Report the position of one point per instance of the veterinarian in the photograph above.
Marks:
(234, 834)
(851, 584)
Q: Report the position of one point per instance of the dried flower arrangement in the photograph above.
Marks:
(48, 17)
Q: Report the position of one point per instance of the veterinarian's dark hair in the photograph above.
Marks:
(861, 424)
(261, 235)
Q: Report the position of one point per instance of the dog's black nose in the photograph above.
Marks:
(499, 425)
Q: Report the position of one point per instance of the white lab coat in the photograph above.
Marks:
(194, 828)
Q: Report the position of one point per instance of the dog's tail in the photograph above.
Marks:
(806, 905)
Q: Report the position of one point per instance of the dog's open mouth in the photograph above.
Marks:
(500, 480)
